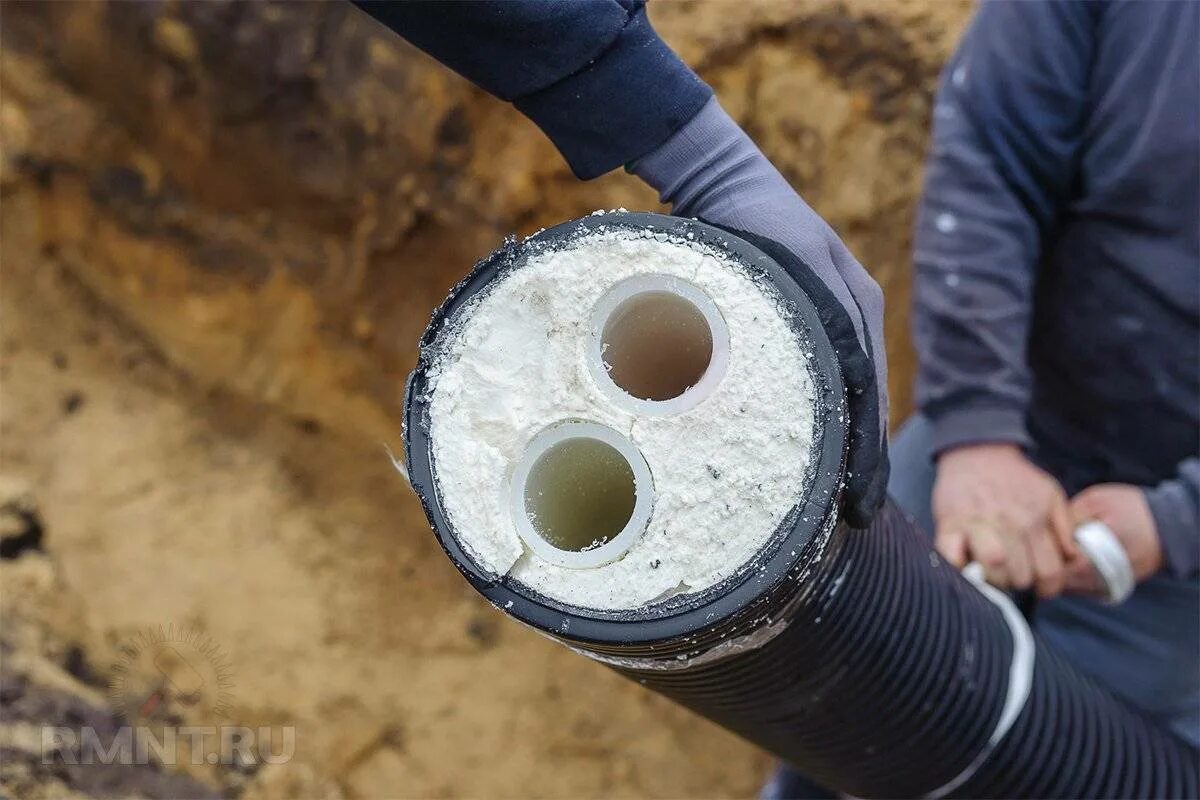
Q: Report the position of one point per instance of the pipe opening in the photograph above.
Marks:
(659, 344)
(656, 345)
(581, 495)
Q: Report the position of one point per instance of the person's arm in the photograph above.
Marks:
(1175, 506)
(608, 92)
(1008, 122)
(1008, 125)
(592, 74)
(1158, 526)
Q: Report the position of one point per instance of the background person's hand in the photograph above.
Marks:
(992, 505)
(1123, 508)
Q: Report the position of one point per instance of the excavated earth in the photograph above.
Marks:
(224, 226)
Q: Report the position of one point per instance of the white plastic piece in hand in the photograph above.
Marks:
(1104, 550)
(1101, 546)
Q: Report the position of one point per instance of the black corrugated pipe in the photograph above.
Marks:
(857, 655)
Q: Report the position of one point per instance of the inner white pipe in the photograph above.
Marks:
(581, 495)
(658, 345)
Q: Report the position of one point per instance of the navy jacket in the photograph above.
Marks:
(1057, 284)
(592, 74)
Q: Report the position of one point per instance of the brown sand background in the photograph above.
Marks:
(224, 226)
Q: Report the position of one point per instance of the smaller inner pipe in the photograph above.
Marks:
(581, 494)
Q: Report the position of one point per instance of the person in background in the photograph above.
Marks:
(1056, 316)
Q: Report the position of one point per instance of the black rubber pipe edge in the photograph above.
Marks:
(857, 655)
(691, 623)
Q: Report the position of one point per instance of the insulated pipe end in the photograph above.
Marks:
(653, 626)
(658, 345)
(581, 495)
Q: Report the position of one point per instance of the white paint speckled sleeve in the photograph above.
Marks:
(1006, 135)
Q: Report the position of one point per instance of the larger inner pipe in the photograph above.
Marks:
(581, 495)
(681, 351)
(659, 344)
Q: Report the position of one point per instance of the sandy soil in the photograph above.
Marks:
(302, 555)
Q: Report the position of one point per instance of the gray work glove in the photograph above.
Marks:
(711, 170)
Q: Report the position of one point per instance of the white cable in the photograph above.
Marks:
(1020, 674)
(1104, 550)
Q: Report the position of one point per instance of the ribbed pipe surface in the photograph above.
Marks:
(857, 655)
(890, 676)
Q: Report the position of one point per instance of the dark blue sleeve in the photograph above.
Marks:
(1008, 127)
(1175, 505)
(592, 74)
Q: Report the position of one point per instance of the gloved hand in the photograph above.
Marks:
(602, 85)
(710, 169)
